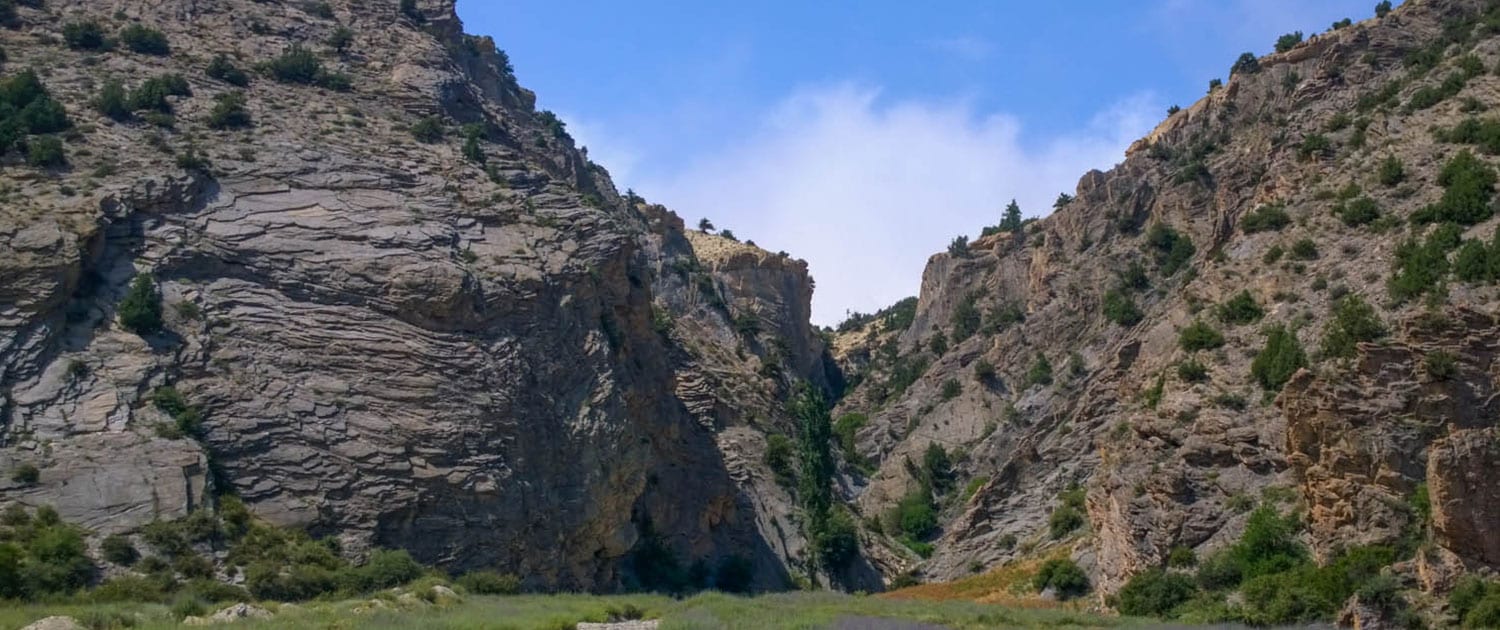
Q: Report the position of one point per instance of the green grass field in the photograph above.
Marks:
(525, 612)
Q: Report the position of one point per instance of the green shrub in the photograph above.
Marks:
(45, 152)
(914, 515)
(966, 318)
(1063, 521)
(1245, 64)
(1268, 218)
(1361, 211)
(1068, 516)
(84, 35)
(1486, 614)
(295, 65)
(1440, 365)
(1314, 145)
(1391, 171)
(837, 542)
(1466, 593)
(429, 129)
(151, 95)
(490, 583)
(113, 101)
(229, 111)
(145, 40)
(1468, 186)
(26, 473)
(165, 537)
(1040, 372)
(1353, 321)
(1421, 266)
(1199, 336)
(846, 428)
(1155, 593)
(1192, 371)
(341, 38)
(1484, 134)
(1475, 262)
(41, 557)
(1134, 277)
(192, 565)
(117, 549)
(778, 458)
(1304, 249)
(298, 65)
(140, 311)
(222, 69)
(27, 107)
(385, 569)
(1173, 249)
(1181, 556)
(1240, 310)
(473, 152)
(1002, 317)
(1062, 576)
(938, 344)
(1284, 598)
(1382, 8)
(268, 580)
(1279, 360)
(1120, 308)
(1288, 41)
(959, 247)
(937, 468)
(951, 389)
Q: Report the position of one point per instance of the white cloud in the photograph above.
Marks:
(867, 190)
(614, 153)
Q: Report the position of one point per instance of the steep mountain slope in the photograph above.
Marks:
(400, 307)
(1313, 211)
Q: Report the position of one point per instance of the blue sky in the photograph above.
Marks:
(862, 136)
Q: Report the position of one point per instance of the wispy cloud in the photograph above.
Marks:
(616, 154)
(965, 47)
(866, 190)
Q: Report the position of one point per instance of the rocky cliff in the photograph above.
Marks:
(400, 306)
(1109, 378)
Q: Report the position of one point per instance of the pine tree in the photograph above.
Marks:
(140, 311)
(1012, 220)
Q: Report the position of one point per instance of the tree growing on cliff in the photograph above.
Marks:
(1011, 222)
(705, 226)
(1280, 359)
(140, 311)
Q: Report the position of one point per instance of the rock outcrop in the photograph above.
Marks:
(390, 337)
(1111, 344)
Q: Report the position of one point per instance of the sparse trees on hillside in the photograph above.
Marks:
(1288, 41)
(1011, 222)
(705, 226)
(1246, 64)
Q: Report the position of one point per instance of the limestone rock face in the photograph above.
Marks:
(388, 342)
(1466, 493)
(1363, 437)
(1053, 355)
